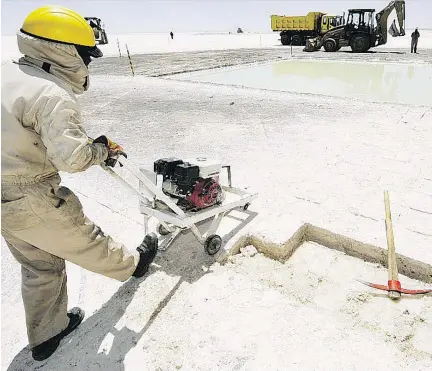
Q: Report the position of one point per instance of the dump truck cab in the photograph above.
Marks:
(98, 29)
(328, 22)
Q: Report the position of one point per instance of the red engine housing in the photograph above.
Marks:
(207, 192)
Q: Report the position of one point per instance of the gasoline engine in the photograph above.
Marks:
(195, 182)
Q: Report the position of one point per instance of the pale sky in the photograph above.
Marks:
(122, 17)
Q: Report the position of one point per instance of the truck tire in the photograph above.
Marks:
(359, 44)
(330, 45)
(285, 40)
(297, 40)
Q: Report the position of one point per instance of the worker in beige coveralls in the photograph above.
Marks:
(42, 133)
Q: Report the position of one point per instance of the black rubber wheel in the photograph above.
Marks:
(285, 40)
(359, 44)
(330, 45)
(162, 230)
(212, 244)
(296, 40)
(246, 206)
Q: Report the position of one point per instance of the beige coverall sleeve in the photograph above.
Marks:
(62, 133)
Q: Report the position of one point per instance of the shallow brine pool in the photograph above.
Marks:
(376, 82)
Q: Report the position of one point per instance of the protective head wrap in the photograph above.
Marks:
(65, 61)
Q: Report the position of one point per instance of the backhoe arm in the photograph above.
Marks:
(382, 17)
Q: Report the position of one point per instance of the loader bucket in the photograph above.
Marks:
(311, 45)
(393, 30)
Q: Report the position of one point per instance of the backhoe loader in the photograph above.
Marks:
(360, 32)
(98, 30)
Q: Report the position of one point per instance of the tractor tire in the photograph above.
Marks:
(297, 40)
(359, 44)
(330, 45)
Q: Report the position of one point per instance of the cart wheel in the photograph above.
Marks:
(245, 207)
(212, 244)
(162, 230)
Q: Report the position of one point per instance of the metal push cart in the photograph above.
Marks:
(173, 219)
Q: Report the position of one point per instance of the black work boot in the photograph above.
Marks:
(47, 348)
(147, 251)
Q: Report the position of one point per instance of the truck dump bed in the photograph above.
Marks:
(308, 22)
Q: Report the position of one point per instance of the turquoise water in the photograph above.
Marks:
(369, 81)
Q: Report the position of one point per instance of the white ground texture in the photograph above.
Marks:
(312, 159)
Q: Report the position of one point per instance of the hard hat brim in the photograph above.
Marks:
(89, 51)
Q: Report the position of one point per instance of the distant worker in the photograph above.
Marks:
(414, 40)
(42, 133)
(172, 35)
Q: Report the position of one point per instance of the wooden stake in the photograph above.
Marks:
(118, 45)
(130, 61)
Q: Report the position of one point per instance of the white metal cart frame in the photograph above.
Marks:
(172, 219)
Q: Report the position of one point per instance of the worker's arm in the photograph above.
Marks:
(68, 146)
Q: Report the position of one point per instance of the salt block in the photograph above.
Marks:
(249, 251)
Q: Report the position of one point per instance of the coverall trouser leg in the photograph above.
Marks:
(43, 289)
(44, 224)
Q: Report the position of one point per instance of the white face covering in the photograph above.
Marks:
(60, 60)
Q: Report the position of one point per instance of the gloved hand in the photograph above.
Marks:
(114, 150)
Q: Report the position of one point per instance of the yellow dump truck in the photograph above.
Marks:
(296, 29)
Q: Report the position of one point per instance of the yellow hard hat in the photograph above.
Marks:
(56, 23)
